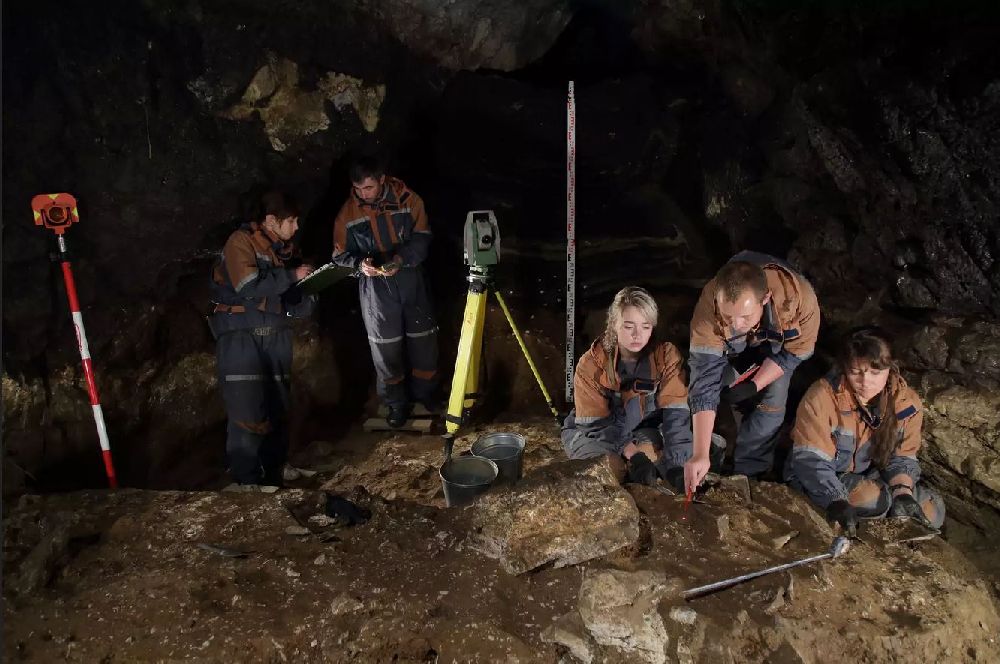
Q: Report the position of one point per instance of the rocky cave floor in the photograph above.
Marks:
(566, 566)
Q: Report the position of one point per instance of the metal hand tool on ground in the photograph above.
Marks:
(838, 548)
(667, 492)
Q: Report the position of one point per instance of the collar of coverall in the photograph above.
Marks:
(611, 363)
(846, 400)
(278, 245)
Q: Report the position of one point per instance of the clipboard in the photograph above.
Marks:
(745, 375)
(324, 277)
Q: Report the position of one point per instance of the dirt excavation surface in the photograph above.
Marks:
(566, 566)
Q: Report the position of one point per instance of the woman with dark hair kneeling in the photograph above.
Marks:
(630, 395)
(856, 438)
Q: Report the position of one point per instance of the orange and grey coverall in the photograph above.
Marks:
(832, 446)
(254, 304)
(396, 310)
(786, 334)
(648, 406)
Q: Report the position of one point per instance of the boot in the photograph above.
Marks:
(398, 414)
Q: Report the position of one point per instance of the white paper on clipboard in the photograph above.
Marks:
(324, 277)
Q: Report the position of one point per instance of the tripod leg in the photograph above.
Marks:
(475, 358)
(527, 355)
(469, 345)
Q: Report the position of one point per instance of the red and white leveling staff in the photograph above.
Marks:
(570, 242)
(57, 212)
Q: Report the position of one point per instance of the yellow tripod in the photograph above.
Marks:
(480, 255)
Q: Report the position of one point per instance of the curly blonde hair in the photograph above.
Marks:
(630, 296)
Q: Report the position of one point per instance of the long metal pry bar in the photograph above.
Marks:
(838, 548)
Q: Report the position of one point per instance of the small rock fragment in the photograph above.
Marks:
(569, 631)
(776, 603)
(684, 615)
(343, 604)
(722, 525)
(779, 542)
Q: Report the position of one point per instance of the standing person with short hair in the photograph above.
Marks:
(856, 438)
(755, 322)
(630, 395)
(253, 307)
(382, 231)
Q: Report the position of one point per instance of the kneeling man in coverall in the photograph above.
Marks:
(755, 322)
(383, 233)
(254, 305)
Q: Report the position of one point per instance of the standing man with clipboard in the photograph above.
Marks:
(754, 323)
(382, 232)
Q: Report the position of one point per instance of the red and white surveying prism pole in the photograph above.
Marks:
(57, 212)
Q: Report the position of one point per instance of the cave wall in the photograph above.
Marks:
(859, 141)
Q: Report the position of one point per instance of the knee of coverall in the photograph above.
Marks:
(579, 443)
(580, 446)
(931, 503)
(422, 350)
(869, 496)
(247, 404)
(244, 377)
(388, 358)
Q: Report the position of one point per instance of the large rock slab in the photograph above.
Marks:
(962, 434)
(564, 514)
(620, 610)
(953, 364)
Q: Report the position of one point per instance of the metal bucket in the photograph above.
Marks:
(717, 451)
(465, 477)
(506, 450)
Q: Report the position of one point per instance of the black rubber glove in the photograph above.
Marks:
(906, 505)
(842, 512)
(745, 390)
(345, 511)
(641, 470)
